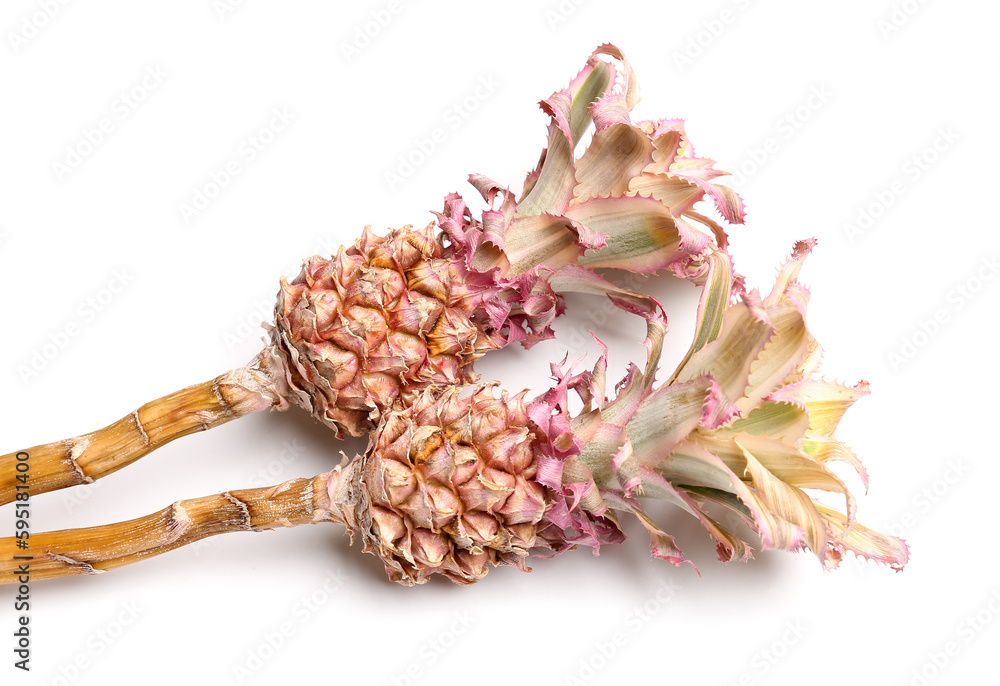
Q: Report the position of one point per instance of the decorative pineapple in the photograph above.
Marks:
(459, 479)
(365, 329)
(382, 337)
(447, 485)
(453, 483)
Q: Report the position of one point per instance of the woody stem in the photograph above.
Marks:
(94, 455)
(95, 549)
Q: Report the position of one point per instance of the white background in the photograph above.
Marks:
(735, 71)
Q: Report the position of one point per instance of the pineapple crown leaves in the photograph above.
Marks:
(582, 452)
(627, 202)
(742, 426)
(651, 159)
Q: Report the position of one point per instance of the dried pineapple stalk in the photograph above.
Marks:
(389, 316)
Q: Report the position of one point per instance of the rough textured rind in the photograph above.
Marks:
(446, 487)
(378, 322)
